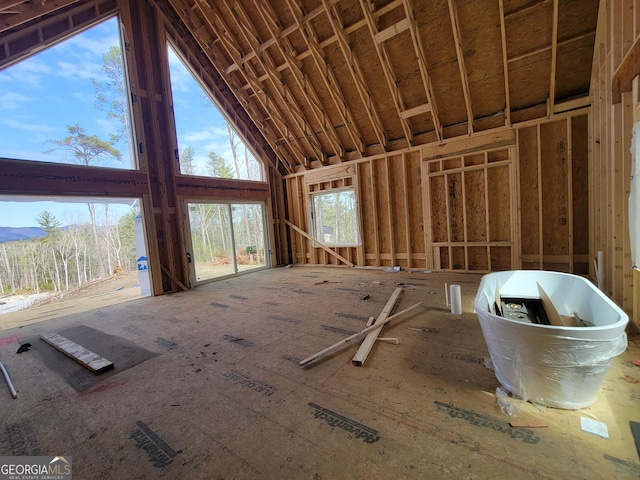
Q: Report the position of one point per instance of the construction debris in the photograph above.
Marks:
(362, 353)
(356, 336)
(84, 357)
(14, 394)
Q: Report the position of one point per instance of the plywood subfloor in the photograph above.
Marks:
(226, 398)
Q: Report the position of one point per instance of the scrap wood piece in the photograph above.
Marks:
(388, 340)
(84, 357)
(362, 353)
(528, 424)
(355, 336)
(322, 282)
(316, 242)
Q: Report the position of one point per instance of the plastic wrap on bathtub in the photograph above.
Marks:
(556, 367)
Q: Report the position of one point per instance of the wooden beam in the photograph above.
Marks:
(316, 109)
(25, 177)
(367, 344)
(356, 73)
(505, 67)
(554, 56)
(356, 336)
(629, 68)
(15, 14)
(385, 64)
(455, 26)
(422, 64)
(321, 245)
(419, 110)
(392, 31)
(84, 357)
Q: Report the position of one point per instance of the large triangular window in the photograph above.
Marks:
(207, 143)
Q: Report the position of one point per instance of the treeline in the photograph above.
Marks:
(68, 257)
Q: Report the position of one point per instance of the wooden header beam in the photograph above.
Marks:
(26, 177)
(628, 69)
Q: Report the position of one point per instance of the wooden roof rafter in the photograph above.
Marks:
(455, 26)
(300, 79)
(505, 66)
(187, 11)
(554, 59)
(422, 64)
(298, 120)
(328, 77)
(385, 62)
(356, 72)
(286, 137)
(17, 12)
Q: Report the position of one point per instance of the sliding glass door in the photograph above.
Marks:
(226, 238)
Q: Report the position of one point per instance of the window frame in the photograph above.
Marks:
(318, 236)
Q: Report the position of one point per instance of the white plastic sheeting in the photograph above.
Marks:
(634, 196)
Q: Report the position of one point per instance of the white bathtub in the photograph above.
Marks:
(561, 367)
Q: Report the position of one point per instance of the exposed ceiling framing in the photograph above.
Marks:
(328, 81)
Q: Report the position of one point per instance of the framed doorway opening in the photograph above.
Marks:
(225, 239)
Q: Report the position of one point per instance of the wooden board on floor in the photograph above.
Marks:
(84, 357)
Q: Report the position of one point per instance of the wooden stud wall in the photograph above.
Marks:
(469, 211)
(615, 109)
(514, 198)
(553, 187)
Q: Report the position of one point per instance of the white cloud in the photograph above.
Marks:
(28, 127)
(83, 70)
(195, 137)
(12, 100)
(30, 72)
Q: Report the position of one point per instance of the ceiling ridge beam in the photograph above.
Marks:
(385, 64)
(424, 72)
(505, 66)
(356, 74)
(302, 83)
(245, 25)
(455, 26)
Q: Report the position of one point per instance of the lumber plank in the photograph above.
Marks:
(84, 357)
(356, 336)
(370, 340)
(324, 247)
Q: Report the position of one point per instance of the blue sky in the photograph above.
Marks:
(41, 96)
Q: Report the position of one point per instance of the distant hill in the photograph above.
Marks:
(11, 234)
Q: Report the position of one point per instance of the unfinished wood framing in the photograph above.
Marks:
(615, 104)
(513, 155)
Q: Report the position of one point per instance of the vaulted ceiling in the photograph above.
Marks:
(328, 81)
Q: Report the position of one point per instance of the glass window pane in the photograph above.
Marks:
(335, 217)
(248, 234)
(208, 144)
(211, 240)
(69, 103)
